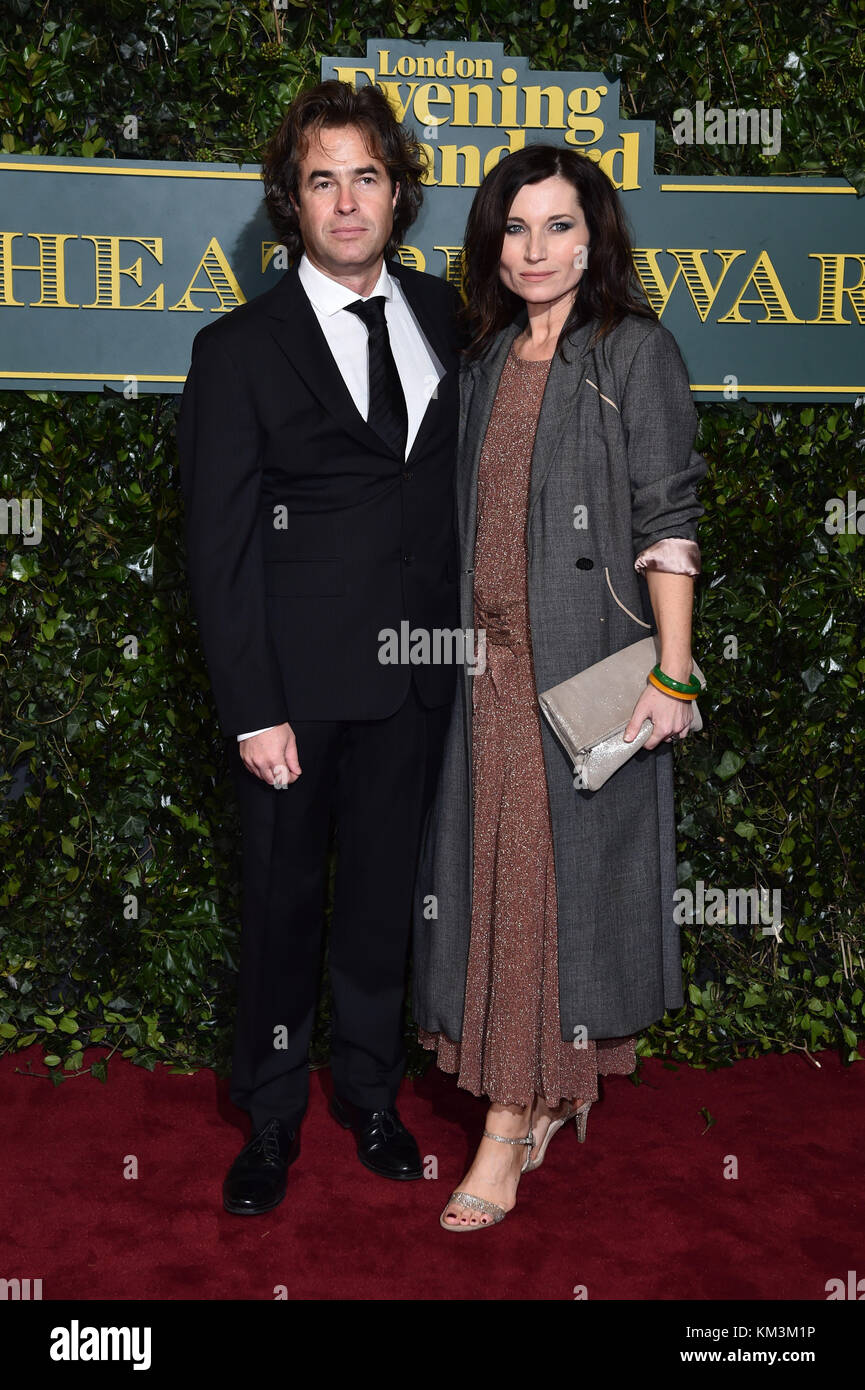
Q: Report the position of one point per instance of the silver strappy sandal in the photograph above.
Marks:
(581, 1115)
(472, 1203)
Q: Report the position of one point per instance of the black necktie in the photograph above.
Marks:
(387, 413)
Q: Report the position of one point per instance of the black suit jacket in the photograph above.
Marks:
(306, 534)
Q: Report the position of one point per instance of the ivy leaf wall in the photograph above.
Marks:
(118, 830)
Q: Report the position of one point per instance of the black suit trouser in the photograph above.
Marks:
(376, 778)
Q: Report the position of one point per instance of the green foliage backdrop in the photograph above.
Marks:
(111, 764)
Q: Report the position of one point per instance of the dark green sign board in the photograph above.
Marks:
(108, 268)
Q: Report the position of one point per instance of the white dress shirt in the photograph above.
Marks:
(419, 369)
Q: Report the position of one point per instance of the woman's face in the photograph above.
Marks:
(545, 243)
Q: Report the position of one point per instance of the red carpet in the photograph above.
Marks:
(642, 1210)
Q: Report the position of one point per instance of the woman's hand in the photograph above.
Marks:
(670, 717)
(672, 598)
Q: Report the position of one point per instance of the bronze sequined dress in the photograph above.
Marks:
(512, 1047)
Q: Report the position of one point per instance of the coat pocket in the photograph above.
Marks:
(304, 578)
(624, 609)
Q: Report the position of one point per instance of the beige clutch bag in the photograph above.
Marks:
(590, 712)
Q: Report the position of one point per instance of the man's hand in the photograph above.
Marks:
(272, 756)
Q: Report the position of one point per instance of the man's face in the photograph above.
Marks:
(346, 203)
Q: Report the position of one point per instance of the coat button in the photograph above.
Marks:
(584, 563)
(408, 559)
(407, 474)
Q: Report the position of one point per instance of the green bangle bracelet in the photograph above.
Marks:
(693, 683)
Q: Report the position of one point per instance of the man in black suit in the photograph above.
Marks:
(317, 439)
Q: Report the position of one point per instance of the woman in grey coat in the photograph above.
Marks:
(544, 930)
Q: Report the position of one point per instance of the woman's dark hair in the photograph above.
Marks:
(332, 105)
(608, 288)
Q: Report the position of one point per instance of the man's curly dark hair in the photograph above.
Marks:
(333, 105)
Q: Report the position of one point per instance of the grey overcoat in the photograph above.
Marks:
(615, 436)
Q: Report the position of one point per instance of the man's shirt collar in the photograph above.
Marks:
(329, 296)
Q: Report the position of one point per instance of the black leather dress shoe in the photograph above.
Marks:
(256, 1179)
(384, 1145)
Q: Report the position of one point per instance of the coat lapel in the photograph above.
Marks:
(298, 333)
(561, 393)
(478, 386)
(433, 328)
(434, 331)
